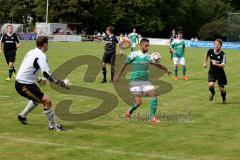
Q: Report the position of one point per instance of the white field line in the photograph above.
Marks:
(2, 96)
(109, 151)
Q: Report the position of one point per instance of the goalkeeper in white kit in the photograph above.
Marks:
(27, 76)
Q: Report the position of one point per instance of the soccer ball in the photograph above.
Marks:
(67, 83)
(155, 57)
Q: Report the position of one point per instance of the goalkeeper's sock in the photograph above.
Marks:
(212, 90)
(132, 108)
(50, 117)
(104, 71)
(184, 70)
(29, 107)
(10, 71)
(176, 71)
(153, 107)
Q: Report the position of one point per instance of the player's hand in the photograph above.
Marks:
(205, 65)
(169, 72)
(214, 62)
(121, 52)
(116, 79)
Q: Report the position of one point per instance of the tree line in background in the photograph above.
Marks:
(154, 18)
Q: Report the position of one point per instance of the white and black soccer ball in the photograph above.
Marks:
(67, 83)
(155, 57)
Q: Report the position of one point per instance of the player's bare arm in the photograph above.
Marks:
(1, 46)
(118, 76)
(172, 50)
(18, 45)
(162, 67)
(205, 61)
(222, 65)
(120, 45)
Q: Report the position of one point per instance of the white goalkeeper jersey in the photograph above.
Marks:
(34, 61)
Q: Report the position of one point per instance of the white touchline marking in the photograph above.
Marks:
(1, 96)
(111, 151)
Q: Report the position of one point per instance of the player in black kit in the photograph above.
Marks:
(216, 71)
(109, 56)
(10, 43)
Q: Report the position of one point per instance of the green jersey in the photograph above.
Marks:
(140, 65)
(133, 37)
(178, 46)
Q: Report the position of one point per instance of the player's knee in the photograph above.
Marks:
(46, 101)
(211, 85)
(138, 102)
(104, 65)
(222, 89)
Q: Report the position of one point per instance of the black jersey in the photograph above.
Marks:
(9, 42)
(219, 58)
(172, 37)
(111, 42)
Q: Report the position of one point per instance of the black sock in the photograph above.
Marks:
(10, 71)
(104, 71)
(14, 70)
(212, 90)
(112, 73)
(223, 94)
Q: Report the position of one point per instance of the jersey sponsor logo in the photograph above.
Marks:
(9, 41)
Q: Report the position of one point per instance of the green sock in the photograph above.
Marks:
(153, 107)
(132, 108)
(176, 71)
(184, 70)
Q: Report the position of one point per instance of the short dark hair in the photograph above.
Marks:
(180, 32)
(219, 40)
(144, 40)
(9, 25)
(111, 29)
(41, 40)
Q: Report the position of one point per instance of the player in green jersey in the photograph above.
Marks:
(139, 81)
(177, 48)
(134, 38)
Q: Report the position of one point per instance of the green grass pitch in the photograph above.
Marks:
(211, 133)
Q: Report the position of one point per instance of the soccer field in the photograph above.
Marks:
(192, 127)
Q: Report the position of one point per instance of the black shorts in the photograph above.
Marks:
(29, 91)
(109, 58)
(10, 56)
(220, 77)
